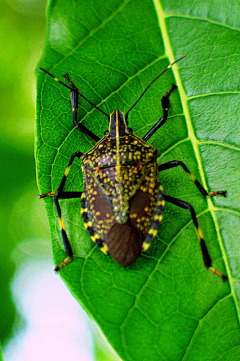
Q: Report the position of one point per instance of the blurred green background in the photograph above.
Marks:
(22, 39)
(38, 314)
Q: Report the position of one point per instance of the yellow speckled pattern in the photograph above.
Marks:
(120, 180)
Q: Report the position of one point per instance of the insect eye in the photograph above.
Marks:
(106, 132)
(129, 130)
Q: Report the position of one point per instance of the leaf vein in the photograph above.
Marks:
(215, 22)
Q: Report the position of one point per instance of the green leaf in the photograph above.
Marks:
(166, 306)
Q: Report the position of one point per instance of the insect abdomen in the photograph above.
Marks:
(124, 243)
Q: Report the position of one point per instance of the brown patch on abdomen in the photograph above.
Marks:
(124, 243)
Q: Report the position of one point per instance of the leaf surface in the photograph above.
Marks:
(166, 306)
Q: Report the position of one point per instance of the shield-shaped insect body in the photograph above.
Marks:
(120, 192)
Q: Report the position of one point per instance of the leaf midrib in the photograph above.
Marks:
(161, 20)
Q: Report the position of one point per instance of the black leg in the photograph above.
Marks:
(64, 178)
(205, 254)
(74, 102)
(69, 195)
(175, 163)
(59, 194)
(66, 243)
(73, 88)
(162, 120)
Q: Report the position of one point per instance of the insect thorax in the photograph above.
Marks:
(120, 177)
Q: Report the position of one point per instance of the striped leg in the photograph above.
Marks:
(153, 230)
(63, 181)
(162, 120)
(175, 163)
(74, 102)
(205, 254)
(66, 243)
(59, 194)
(88, 225)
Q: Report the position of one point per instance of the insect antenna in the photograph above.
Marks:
(169, 66)
(74, 90)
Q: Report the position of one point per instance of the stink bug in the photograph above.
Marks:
(122, 201)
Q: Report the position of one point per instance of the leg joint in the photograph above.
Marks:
(77, 154)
